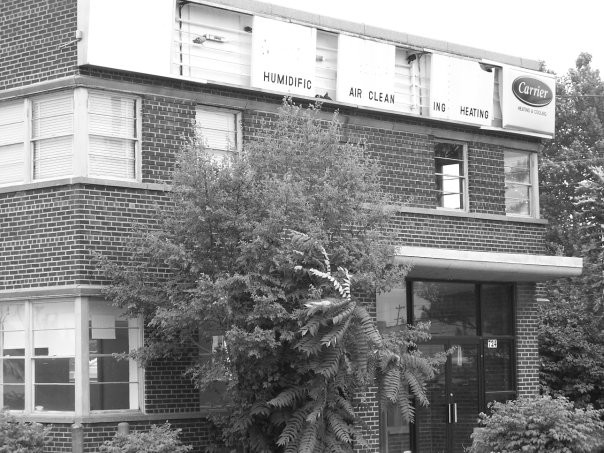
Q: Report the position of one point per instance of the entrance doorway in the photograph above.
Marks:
(477, 320)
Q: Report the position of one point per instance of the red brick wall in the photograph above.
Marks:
(527, 349)
(33, 38)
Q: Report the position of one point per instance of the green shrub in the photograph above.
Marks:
(535, 425)
(21, 437)
(160, 439)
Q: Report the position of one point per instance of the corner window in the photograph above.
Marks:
(450, 170)
(52, 362)
(520, 176)
(218, 130)
(70, 133)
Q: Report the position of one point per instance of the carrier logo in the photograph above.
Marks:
(532, 91)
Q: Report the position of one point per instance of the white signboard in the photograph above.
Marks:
(460, 90)
(528, 100)
(365, 73)
(134, 35)
(283, 56)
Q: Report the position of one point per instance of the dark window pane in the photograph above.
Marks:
(14, 371)
(108, 369)
(395, 435)
(391, 308)
(54, 398)
(14, 397)
(498, 370)
(497, 310)
(450, 307)
(110, 396)
(60, 371)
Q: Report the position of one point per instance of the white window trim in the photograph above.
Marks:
(81, 136)
(81, 360)
(534, 209)
(465, 188)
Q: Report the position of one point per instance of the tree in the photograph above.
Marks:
(276, 248)
(571, 332)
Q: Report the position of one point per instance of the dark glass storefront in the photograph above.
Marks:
(478, 320)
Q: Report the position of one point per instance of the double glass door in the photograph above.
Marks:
(473, 320)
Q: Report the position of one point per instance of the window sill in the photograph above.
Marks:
(113, 416)
(84, 180)
(470, 215)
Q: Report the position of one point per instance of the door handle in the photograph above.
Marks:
(449, 413)
(454, 412)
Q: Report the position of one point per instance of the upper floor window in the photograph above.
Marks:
(450, 170)
(218, 130)
(520, 176)
(70, 133)
(54, 362)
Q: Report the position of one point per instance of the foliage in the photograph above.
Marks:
(159, 439)
(21, 437)
(571, 334)
(535, 425)
(244, 252)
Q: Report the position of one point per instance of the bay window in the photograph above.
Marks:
(78, 132)
(58, 356)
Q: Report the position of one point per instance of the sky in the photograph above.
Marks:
(554, 31)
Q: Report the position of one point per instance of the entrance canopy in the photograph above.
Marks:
(447, 264)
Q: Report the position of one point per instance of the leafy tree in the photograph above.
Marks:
(572, 327)
(277, 248)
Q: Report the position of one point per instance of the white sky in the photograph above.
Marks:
(555, 31)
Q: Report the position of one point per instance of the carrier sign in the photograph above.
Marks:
(532, 91)
(528, 102)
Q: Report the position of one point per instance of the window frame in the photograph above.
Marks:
(238, 129)
(533, 185)
(81, 136)
(465, 198)
(82, 384)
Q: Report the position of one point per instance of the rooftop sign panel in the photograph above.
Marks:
(208, 44)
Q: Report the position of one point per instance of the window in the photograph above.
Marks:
(12, 133)
(41, 369)
(112, 136)
(218, 130)
(520, 196)
(70, 133)
(52, 136)
(450, 171)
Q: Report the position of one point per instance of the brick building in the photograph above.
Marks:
(96, 97)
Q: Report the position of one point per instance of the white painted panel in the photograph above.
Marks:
(366, 73)
(528, 100)
(461, 91)
(283, 57)
(212, 44)
(133, 35)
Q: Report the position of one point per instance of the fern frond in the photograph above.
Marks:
(287, 397)
(338, 426)
(417, 388)
(310, 345)
(348, 311)
(344, 405)
(294, 425)
(335, 334)
(308, 440)
(391, 383)
(367, 326)
(406, 408)
(329, 362)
